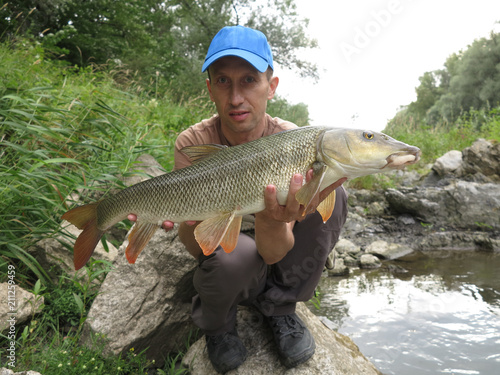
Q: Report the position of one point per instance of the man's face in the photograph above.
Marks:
(240, 93)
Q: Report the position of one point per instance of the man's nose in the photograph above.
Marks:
(236, 97)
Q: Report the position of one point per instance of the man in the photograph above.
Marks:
(282, 264)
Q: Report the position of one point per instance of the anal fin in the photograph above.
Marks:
(230, 239)
(138, 239)
(325, 208)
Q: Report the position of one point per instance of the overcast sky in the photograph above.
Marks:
(371, 54)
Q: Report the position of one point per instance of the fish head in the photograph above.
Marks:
(355, 153)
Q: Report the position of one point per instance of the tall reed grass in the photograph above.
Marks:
(63, 130)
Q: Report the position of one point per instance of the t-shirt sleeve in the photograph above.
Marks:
(184, 139)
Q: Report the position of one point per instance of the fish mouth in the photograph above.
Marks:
(401, 159)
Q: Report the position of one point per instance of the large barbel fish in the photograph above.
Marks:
(225, 183)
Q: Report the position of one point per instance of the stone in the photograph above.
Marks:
(449, 163)
(345, 246)
(25, 305)
(461, 204)
(385, 250)
(483, 157)
(375, 209)
(146, 304)
(335, 353)
(339, 268)
(6, 371)
(369, 261)
(350, 261)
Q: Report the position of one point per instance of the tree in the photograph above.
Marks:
(474, 80)
(163, 40)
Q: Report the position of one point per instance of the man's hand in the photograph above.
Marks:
(293, 210)
(167, 225)
(274, 225)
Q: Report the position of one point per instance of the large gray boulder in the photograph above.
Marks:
(146, 304)
(460, 204)
(483, 157)
(335, 353)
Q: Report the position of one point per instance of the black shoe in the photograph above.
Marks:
(226, 351)
(295, 342)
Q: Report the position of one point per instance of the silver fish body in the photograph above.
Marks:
(229, 182)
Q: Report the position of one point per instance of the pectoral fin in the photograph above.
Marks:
(200, 152)
(222, 229)
(326, 207)
(311, 188)
(138, 239)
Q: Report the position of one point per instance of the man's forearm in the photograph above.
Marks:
(186, 235)
(273, 239)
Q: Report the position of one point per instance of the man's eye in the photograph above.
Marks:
(223, 80)
(249, 80)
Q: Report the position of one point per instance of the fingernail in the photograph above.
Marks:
(297, 178)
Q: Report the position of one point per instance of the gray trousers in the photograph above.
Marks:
(224, 281)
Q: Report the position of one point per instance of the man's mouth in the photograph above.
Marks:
(239, 115)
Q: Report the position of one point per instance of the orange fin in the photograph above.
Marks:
(309, 190)
(230, 239)
(211, 232)
(138, 239)
(84, 217)
(326, 207)
(200, 152)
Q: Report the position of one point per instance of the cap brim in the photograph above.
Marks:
(258, 62)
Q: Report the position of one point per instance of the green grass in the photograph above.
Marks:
(64, 130)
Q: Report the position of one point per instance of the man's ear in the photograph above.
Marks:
(209, 89)
(273, 85)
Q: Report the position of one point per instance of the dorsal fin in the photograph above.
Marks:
(200, 152)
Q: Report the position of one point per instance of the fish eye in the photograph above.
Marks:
(368, 135)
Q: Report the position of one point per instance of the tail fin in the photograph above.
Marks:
(84, 217)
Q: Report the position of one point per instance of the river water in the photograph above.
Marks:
(441, 317)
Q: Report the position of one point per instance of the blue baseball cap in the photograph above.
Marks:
(240, 41)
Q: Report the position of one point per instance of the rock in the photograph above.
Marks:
(339, 268)
(385, 250)
(335, 353)
(483, 157)
(406, 219)
(369, 261)
(350, 261)
(460, 203)
(146, 304)
(5, 371)
(345, 246)
(19, 301)
(375, 209)
(449, 163)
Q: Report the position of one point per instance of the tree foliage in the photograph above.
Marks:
(164, 41)
(470, 80)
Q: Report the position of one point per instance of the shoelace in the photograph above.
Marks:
(286, 325)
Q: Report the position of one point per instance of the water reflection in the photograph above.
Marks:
(443, 316)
